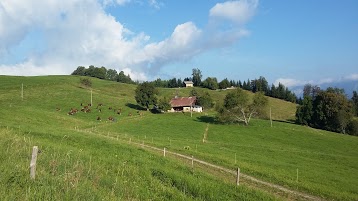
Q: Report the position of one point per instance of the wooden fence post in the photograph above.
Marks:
(192, 161)
(238, 177)
(33, 162)
(164, 152)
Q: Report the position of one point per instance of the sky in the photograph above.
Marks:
(292, 42)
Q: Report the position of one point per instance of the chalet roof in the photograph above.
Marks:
(188, 82)
(183, 101)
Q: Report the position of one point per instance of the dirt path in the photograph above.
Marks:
(271, 185)
(281, 188)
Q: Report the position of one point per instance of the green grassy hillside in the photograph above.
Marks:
(80, 160)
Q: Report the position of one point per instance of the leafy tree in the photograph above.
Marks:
(164, 104)
(355, 102)
(236, 107)
(79, 71)
(259, 105)
(210, 83)
(172, 83)
(193, 92)
(196, 77)
(331, 110)
(179, 83)
(304, 112)
(224, 84)
(124, 78)
(112, 75)
(352, 128)
(146, 94)
(205, 100)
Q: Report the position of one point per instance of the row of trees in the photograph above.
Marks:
(103, 73)
(328, 109)
(256, 85)
(212, 83)
(237, 106)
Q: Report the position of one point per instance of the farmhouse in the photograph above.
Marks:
(188, 83)
(184, 104)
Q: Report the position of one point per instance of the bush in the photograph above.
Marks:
(86, 82)
(352, 128)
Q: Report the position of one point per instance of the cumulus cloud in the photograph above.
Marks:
(80, 32)
(236, 11)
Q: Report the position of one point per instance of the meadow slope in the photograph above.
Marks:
(78, 157)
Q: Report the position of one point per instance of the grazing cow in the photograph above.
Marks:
(89, 104)
(81, 104)
(130, 114)
(98, 118)
(110, 108)
(72, 111)
(119, 111)
(58, 109)
(110, 119)
(100, 104)
(88, 110)
(99, 110)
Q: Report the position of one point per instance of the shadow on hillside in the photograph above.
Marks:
(289, 121)
(136, 107)
(207, 119)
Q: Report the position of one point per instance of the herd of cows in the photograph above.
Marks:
(87, 108)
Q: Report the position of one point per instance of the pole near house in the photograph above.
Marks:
(33, 162)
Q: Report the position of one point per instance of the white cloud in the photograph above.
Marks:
(237, 11)
(288, 82)
(80, 32)
(155, 4)
(351, 77)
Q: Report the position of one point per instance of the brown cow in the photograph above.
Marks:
(130, 114)
(110, 119)
(98, 118)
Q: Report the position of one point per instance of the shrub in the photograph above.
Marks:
(86, 82)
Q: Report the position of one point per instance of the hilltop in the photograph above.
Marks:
(85, 158)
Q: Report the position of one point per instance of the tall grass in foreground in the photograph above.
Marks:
(83, 168)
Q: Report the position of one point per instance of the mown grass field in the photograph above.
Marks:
(81, 162)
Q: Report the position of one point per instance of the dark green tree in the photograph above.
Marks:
(224, 84)
(210, 83)
(196, 77)
(205, 100)
(331, 110)
(146, 94)
(124, 78)
(304, 112)
(164, 104)
(79, 71)
(355, 103)
(112, 75)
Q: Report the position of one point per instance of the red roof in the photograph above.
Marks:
(183, 101)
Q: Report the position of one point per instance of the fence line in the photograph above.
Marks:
(234, 172)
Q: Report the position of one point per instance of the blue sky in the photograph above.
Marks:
(293, 42)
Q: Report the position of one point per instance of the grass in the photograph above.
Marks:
(83, 163)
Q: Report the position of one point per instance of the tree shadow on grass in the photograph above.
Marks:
(136, 107)
(289, 121)
(207, 119)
